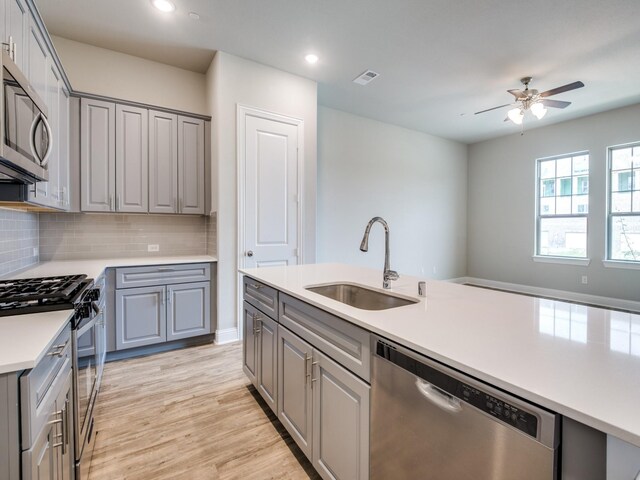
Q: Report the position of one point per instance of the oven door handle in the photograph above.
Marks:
(86, 327)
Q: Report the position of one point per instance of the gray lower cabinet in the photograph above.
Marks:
(294, 388)
(340, 421)
(159, 312)
(188, 310)
(325, 409)
(141, 317)
(260, 353)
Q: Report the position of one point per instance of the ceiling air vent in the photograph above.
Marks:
(366, 77)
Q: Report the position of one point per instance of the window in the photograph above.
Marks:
(563, 205)
(624, 203)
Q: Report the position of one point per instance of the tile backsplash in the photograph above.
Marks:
(212, 232)
(75, 236)
(18, 238)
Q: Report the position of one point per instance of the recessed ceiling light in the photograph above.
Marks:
(194, 16)
(163, 5)
(311, 58)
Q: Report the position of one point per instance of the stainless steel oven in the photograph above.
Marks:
(26, 134)
(89, 351)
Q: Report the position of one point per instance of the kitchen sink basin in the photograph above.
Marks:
(360, 297)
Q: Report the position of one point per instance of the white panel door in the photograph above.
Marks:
(270, 191)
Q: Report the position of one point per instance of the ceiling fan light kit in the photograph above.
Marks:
(531, 99)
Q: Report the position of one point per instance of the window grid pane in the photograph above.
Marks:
(624, 203)
(563, 204)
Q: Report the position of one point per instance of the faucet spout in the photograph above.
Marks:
(388, 274)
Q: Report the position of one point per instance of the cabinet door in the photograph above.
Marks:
(190, 165)
(41, 461)
(340, 421)
(163, 162)
(188, 310)
(141, 317)
(16, 21)
(38, 75)
(132, 159)
(53, 104)
(65, 432)
(294, 387)
(97, 155)
(268, 360)
(63, 157)
(249, 343)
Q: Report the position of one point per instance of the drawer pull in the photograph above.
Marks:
(257, 286)
(58, 350)
(166, 269)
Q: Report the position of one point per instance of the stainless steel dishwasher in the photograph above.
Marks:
(431, 422)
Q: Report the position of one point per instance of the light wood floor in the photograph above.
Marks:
(189, 414)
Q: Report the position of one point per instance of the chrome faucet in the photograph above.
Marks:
(388, 274)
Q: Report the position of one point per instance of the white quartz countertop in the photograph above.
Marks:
(94, 268)
(582, 362)
(25, 338)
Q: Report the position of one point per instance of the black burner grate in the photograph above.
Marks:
(39, 289)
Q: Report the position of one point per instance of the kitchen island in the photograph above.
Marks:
(580, 361)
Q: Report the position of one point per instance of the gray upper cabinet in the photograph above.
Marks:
(191, 181)
(53, 104)
(340, 422)
(97, 156)
(140, 317)
(63, 157)
(163, 162)
(188, 310)
(294, 388)
(132, 159)
(16, 21)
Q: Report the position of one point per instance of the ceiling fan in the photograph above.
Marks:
(531, 99)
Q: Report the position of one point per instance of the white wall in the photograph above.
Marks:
(501, 209)
(232, 81)
(113, 74)
(415, 181)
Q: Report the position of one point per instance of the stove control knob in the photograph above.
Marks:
(93, 294)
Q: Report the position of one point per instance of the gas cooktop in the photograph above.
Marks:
(33, 295)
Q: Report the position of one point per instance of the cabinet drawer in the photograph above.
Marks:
(261, 296)
(344, 342)
(132, 277)
(40, 386)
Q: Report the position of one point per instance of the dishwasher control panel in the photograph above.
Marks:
(498, 408)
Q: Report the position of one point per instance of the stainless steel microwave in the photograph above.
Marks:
(26, 134)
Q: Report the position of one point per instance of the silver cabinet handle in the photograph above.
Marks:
(164, 292)
(169, 293)
(313, 364)
(117, 202)
(166, 269)
(307, 371)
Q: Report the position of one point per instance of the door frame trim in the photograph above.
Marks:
(242, 112)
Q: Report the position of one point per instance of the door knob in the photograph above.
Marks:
(250, 253)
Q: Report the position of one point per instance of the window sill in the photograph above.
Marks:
(562, 260)
(621, 264)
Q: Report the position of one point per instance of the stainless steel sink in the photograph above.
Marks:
(360, 297)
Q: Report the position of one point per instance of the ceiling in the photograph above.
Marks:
(439, 60)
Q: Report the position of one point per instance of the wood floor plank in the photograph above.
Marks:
(189, 414)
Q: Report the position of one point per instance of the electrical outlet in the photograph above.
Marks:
(153, 247)
(584, 279)
(435, 270)
(35, 251)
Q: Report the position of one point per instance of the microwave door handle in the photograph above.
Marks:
(46, 158)
(32, 137)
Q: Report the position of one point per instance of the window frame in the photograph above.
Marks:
(540, 257)
(609, 261)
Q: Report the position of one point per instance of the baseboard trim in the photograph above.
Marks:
(596, 300)
(226, 335)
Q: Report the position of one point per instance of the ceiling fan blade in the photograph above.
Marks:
(517, 93)
(555, 103)
(494, 108)
(564, 88)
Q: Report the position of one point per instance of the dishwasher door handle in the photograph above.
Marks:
(438, 397)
